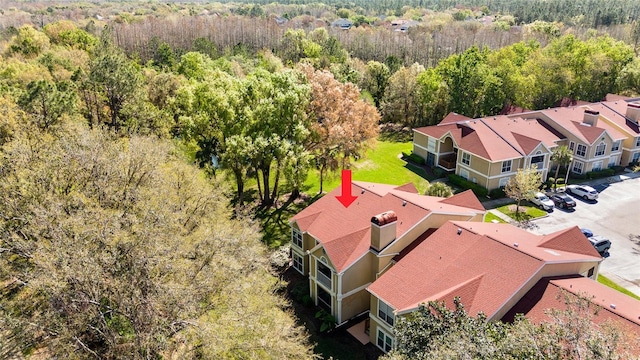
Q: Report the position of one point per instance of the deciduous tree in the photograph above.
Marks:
(523, 185)
(342, 122)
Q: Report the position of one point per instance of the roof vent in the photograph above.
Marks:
(613, 306)
(515, 244)
(362, 191)
(385, 218)
(404, 203)
(459, 231)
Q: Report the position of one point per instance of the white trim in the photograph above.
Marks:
(420, 146)
(380, 322)
(339, 299)
(354, 291)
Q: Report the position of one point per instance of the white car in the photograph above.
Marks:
(542, 201)
(584, 191)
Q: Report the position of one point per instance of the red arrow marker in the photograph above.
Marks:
(346, 198)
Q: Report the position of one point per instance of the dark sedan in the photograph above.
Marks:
(562, 200)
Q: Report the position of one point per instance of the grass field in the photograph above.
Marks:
(525, 213)
(381, 164)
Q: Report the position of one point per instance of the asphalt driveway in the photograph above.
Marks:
(616, 216)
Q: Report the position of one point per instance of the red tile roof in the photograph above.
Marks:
(454, 118)
(483, 263)
(448, 264)
(495, 138)
(571, 119)
(615, 111)
(547, 294)
(345, 233)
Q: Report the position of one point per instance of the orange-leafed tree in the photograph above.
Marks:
(342, 122)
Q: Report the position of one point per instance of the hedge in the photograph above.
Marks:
(414, 158)
(466, 184)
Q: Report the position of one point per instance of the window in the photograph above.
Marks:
(597, 166)
(613, 161)
(538, 160)
(635, 158)
(582, 150)
(298, 264)
(591, 271)
(638, 142)
(577, 167)
(385, 312)
(385, 342)
(296, 237)
(615, 146)
(464, 174)
(600, 148)
(431, 144)
(466, 158)
(503, 182)
(506, 166)
(572, 146)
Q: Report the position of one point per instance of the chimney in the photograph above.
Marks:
(383, 229)
(633, 112)
(591, 117)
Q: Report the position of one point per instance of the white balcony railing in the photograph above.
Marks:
(324, 280)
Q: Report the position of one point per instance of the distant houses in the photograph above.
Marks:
(489, 150)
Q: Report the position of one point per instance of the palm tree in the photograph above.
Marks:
(561, 156)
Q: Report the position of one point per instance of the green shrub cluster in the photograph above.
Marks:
(414, 158)
(497, 193)
(459, 181)
(439, 172)
(595, 174)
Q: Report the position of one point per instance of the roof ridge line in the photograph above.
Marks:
(501, 137)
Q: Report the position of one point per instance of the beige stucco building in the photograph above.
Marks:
(489, 151)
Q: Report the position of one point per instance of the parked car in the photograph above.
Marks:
(601, 243)
(587, 233)
(542, 201)
(584, 191)
(562, 200)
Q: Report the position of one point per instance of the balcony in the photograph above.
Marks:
(448, 162)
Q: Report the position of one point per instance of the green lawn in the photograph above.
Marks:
(606, 281)
(381, 164)
(489, 217)
(529, 212)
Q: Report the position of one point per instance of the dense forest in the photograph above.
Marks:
(138, 141)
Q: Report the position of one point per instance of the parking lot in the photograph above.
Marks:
(616, 216)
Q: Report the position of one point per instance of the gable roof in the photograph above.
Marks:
(547, 294)
(571, 119)
(345, 233)
(480, 262)
(495, 138)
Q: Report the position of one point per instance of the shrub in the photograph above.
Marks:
(439, 172)
(466, 184)
(497, 193)
(414, 158)
(600, 173)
